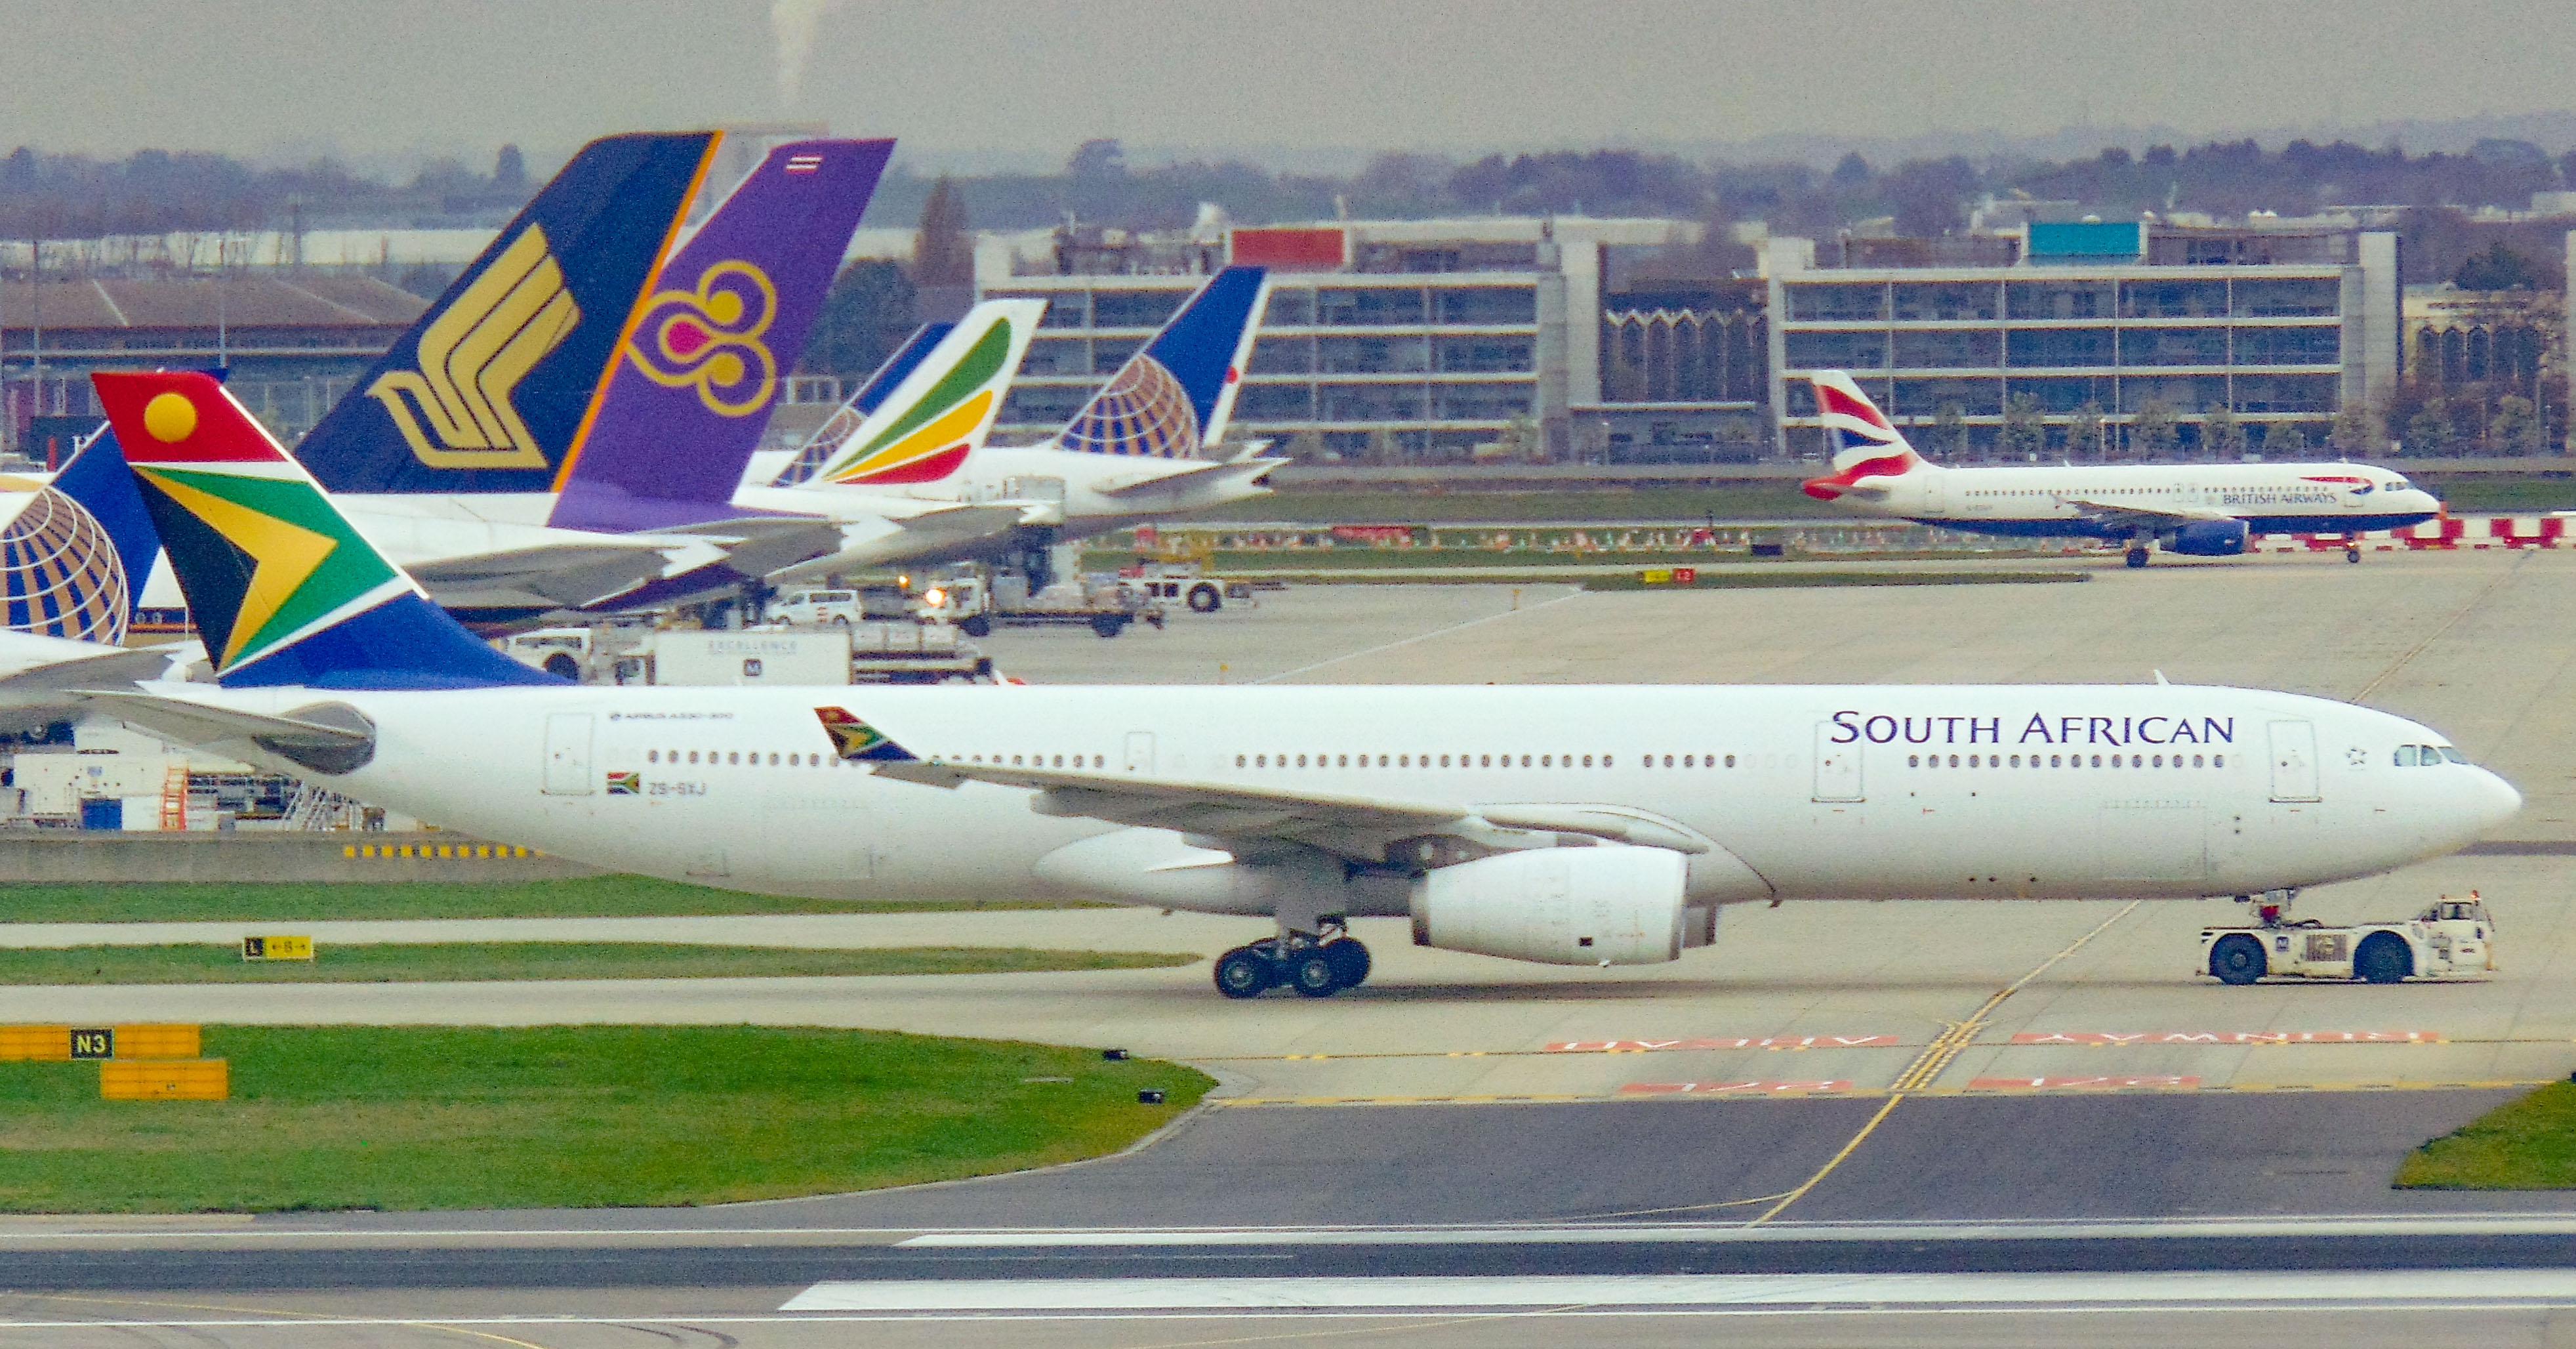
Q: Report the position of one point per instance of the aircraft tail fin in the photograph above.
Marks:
(491, 389)
(283, 588)
(708, 352)
(854, 410)
(1174, 397)
(944, 409)
(73, 560)
(1867, 444)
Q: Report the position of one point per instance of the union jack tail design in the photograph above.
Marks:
(1868, 445)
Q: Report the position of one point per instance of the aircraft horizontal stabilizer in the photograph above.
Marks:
(330, 737)
(111, 665)
(1191, 476)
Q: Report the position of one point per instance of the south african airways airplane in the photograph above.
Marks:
(1561, 824)
(2198, 510)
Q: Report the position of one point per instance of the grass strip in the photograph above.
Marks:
(407, 962)
(580, 1116)
(1761, 580)
(2524, 1144)
(280, 901)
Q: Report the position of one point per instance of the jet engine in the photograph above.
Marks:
(2208, 538)
(1608, 905)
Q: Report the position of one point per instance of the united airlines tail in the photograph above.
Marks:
(492, 389)
(76, 554)
(283, 589)
(924, 430)
(1174, 397)
(683, 407)
(1867, 444)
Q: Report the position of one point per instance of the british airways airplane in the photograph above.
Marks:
(1560, 824)
(2197, 510)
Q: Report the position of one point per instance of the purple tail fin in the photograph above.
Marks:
(708, 349)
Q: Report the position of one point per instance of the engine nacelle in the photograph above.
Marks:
(1610, 905)
(2208, 538)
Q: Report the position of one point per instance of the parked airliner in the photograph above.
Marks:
(1568, 825)
(2198, 510)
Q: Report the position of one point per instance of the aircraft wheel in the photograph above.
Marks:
(1109, 625)
(562, 666)
(2137, 557)
(2238, 959)
(2352, 555)
(1205, 600)
(976, 625)
(1315, 975)
(1350, 962)
(1244, 973)
(2383, 959)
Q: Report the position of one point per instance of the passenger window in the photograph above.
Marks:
(1730, 761)
(2097, 761)
(1690, 761)
(1444, 761)
(1342, 761)
(652, 756)
(1914, 761)
(773, 761)
(1238, 761)
(1587, 761)
(1668, 761)
(1484, 761)
(734, 758)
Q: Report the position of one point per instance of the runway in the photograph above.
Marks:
(1830, 1090)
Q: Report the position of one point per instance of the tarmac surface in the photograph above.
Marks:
(1822, 1064)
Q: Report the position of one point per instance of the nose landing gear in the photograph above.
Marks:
(1317, 965)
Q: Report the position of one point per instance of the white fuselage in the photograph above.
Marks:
(2066, 500)
(1822, 792)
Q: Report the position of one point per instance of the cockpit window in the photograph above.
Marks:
(2451, 754)
(2406, 756)
(2400, 485)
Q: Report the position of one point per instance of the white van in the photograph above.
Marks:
(814, 608)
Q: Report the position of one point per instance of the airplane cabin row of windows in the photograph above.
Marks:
(1466, 761)
(2065, 761)
(736, 758)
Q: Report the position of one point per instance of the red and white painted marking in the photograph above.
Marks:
(2100, 1038)
(1731, 1088)
(2078, 1083)
(1725, 1042)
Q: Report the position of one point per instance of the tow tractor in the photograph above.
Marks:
(2453, 940)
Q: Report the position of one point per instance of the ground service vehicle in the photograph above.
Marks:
(2454, 939)
(1099, 604)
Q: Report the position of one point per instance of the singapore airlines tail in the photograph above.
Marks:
(491, 389)
(709, 350)
(1175, 397)
(1868, 445)
(924, 430)
(283, 589)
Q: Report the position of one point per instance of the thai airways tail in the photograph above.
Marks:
(492, 389)
(943, 410)
(708, 352)
(76, 554)
(1175, 396)
(1866, 443)
(846, 420)
(284, 590)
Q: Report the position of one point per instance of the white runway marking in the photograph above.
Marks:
(2345, 1289)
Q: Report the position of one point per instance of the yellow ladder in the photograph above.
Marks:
(174, 798)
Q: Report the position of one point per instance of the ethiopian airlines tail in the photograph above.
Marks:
(793, 467)
(1175, 397)
(492, 389)
(283, 589)
(709, 350)
(943, 410)
(1867, 444)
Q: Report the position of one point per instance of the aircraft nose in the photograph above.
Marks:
(2493, 800)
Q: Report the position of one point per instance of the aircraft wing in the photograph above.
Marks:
(1359, 827)
(193, 723)
(1190, 476)
(2130, 516)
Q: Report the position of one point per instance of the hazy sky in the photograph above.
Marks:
(1033, 77)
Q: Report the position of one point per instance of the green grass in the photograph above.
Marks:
(1766, 579)
(337, 1118)
(1781, 500)
(433, 961)
(2525, 1144)
(2465, 495)
(287, 901)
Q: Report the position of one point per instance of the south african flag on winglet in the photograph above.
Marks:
(626, 784)
(857, 741)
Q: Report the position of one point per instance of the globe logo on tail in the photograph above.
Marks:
(1143, 411)
(63, 577)
(710, 339)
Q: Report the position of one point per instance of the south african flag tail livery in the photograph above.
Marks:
(282, 588)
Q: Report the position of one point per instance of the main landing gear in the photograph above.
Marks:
(2137, 555)
(1317, 966)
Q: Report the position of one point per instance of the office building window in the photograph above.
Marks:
(2028, 348)
(1372, 402)
(2066, 393)
(1926, 397)
(1480, 355)
(1917, 300)
(2183, 394)
(1109, 353)
(1482, 402)
(1273, 355)
(2290, 297)
(1277, 403)
(1838, 302)
(1946, 350)
(2173, 299)
(1058, 356)
(1289, 308)
(2061, 300)
(1135, 308)
(2289, 346)
(1372, 306)
(2287, 393)
(1487, 305)
(1835, 351)
(2173, 346)
(1373, 355)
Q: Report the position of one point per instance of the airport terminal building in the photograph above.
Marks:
(2087, 327)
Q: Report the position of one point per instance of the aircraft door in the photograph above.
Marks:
(1935, 495)
(1837, 765)
(568, 754)
(2294, 761)
(1140, 751)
